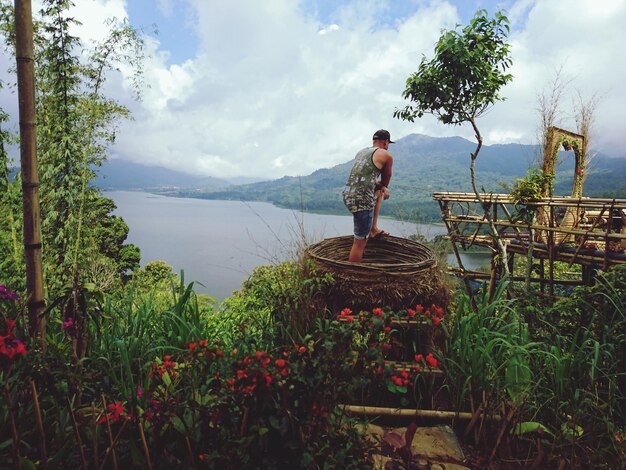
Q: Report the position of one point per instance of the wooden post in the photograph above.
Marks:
(28, 157)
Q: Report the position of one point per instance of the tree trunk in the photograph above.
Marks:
(28, 157)
(501, 247)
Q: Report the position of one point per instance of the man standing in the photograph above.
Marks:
(363, 193)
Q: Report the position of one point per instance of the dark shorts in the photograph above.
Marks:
(363, 221)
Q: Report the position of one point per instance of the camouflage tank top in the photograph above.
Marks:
(358, 194)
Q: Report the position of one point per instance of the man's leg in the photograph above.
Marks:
(379, 202)
(356, 252)
(362, 227)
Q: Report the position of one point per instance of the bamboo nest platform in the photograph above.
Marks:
(395, 272)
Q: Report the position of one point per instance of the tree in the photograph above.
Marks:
(12, 259)
(461, 83)
(76, 124)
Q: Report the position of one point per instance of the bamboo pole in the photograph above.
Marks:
(79, 441)
(111, 448)
(14, 434)
(42, 435)
(144, 445)
(411, 413)
(28, 159)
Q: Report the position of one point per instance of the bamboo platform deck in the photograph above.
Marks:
(590, 232)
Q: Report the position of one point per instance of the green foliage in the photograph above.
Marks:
(277, 303)
(488, 351)
(11, 246)
(251, 398)
(197, 403)
(527, 189)
(75, 125)
(463, 80)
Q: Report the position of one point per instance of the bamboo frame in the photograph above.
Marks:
(594, 224)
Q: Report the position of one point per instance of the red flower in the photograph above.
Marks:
(436, 321)
(203, 343)
(11, 346)
(346, 311)
(387, 329)
(419, 308)
(419, 357)
(192, 346)
(116, 411)
(378, 312)
(302, 349)
(432, 360)
(280, 363)
(411, 312)
(439, 312)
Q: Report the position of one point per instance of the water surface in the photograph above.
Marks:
(219, 243)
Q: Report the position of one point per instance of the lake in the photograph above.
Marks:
(219, 243)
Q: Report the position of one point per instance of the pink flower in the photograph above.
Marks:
(67, 324)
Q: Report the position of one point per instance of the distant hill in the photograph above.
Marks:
(121, 174)
(423, 165)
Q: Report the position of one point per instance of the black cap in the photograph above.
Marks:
(382, 134)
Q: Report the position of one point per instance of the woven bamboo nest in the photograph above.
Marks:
(395, 272)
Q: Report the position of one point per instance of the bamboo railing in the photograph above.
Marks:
(595, 237)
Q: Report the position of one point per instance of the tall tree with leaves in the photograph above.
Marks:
(11, 247)
(76, 125)
(461, 83)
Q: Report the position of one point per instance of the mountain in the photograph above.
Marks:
(422, 165)
(120, 174)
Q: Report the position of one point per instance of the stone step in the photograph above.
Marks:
(432, 448)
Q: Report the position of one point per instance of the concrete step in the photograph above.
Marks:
(432, 448)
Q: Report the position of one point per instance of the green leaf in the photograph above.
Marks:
(27, 464)
(530, 427)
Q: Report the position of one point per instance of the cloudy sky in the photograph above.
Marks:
(284, 87)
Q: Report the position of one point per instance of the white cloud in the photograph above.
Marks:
(274, 92)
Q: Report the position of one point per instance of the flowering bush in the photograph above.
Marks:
(11, 348)
(8, 296)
